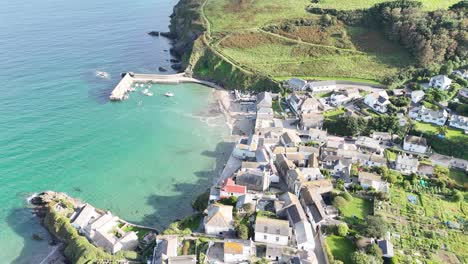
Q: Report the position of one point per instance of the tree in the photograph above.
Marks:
(243, 231)
(442, 130)
(457, 196)
(360, 257)
(406, 184)
(440, 172)
(375, 226)
(342, 229)
(374, 250)
(340, 184)
(348, 197)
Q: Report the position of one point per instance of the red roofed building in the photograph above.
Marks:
(230, 188)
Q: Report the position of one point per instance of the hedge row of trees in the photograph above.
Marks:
(358, 126)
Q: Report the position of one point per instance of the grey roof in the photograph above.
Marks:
(407, 161)
(304, 232)
(272, 226)
(415, 140)
(387, 247)
(322, 83)
(381, 99)
(264, 98)
(296, 214)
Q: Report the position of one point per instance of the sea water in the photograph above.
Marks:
(144, 159)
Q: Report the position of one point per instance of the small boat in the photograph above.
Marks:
(102, 74)
(147, 92)
(169, 94)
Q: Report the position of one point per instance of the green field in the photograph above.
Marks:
(356, 210)
(420, 230)
(337, 52)
(340, 247)
(452, 133)
(356, 4)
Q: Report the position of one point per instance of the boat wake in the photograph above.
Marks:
(103, 74)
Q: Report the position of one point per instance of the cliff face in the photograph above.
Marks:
(201, 60)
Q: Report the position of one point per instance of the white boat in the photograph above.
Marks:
(102, 74)
(147, 92)
(169, 94)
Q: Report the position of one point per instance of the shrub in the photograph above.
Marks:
(457, 196)
(243, 231)
(374, 250)
(201, 202)
(375, 227)
(342, 229)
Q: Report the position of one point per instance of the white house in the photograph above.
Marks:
(441, 82)
(272, 231)
(304, 236)
(417, 96)
(370, 180)
(438, 117)
(318, 135)
(86, 215)
(218, 219)
(462, 73)
(236, 251)
(378, 101)
(246, 147)
(296, 84)
(459, 121)
(265, 113)
(322, 86)
(415, 144)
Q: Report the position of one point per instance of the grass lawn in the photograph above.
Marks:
(356, 210)
(341, 248)
(141, 233)
(390, 155)
(356, 4)
(331, 114)
(322, 78)
(452, 134)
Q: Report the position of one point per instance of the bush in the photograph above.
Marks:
(374, 250)
(243, 231)
(342, 229)
(457, 196)
(375, 226)
(201, 202)
(348, 197)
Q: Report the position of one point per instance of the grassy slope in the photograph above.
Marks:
(356, 4)
(283, 57)
(356, 210)
(340, 247)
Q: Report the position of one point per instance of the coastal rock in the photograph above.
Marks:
(168, 35)
(162, 69)
(174, 61)
(177, 66)
(37, 237)
(154, 33)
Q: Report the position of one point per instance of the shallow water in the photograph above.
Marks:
(144, 159)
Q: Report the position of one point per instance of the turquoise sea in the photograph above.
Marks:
(144, 159)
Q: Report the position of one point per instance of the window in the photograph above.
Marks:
(277, 239)
(265, 228)
(265, 237)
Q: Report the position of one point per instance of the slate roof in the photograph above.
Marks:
(416, 140)
(272, 226)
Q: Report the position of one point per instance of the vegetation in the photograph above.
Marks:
(341, 248)
(359, 4)
(423, 227)
(201, 202)
(354, 211)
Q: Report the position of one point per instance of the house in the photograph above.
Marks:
(381, 136)
(104, 232)
(378, 101)
(264, 99)
(318, 135)
(463, 93)
(335, 142)
(165, 249)
(342, 169)
(243, 201)
(312, 173)
(230, 188)
(294, 179)
(368, 144)
(86, 215)
(264, 126)
(290, 139)
(297, 84)
(311, 120)
(459, 121)
(236, 251)
(218, 219)
(283, 165)
(344, 96)
(417, 96)
(322, 86)
(274, 252)
(311, 104)
(272, 231)
(246, 148)
(295, 102)
(415, 144)
(186, 259)
(304, 236)
(375, 161)
(371, 180)
(406, 164)
(386, 247)
(254, 179)
(398, 92)
(295, 213)
(441, 82)
(265, 113)
(438, 117)
(462, 73)
(425, 170)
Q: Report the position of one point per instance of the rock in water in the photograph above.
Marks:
(154, 33)
(174, 61)
(37, 237)
(177, 66)
(162, 69)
